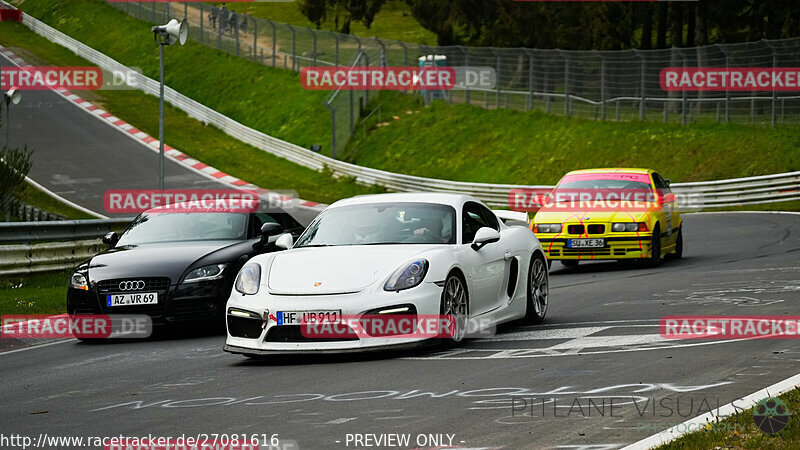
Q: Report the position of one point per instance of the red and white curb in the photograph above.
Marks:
(153, 143)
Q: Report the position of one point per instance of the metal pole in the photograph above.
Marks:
(255, 38)
(161, 123)
(603, 89)
(566, 87)
(8, 119)
(466, 64)
(294, 45)
(274, 38)
(202, 31)
(727, 94)
(683, 100)
(236, 31)
(774, 92)
(529, 103)
(642, 82)
(497, 81)
(314, 50)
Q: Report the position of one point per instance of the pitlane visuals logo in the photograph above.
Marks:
(771, 415)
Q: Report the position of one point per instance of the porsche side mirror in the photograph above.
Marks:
(111, 239)
(285, 241)
(485, 236)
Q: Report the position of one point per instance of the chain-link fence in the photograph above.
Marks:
(600, 85)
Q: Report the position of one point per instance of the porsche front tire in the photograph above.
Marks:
(538, 286)
(455, 303)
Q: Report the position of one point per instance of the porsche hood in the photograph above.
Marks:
(337, 270)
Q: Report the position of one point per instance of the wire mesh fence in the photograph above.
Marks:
(600, 85)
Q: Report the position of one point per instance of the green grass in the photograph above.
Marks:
(41, 200)
(469, 143)
(205, 143)
(751, 437)
(394, 21)
(39, 293)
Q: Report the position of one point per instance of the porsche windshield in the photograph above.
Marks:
(385, 223)
(171, 227)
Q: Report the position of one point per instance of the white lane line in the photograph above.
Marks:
(776, 389)
(539, 335)
(340, 420)
(36, 346)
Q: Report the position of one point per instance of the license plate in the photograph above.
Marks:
(303, 317)
(586, 243)
(140, 298)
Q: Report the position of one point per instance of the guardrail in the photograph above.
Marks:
(61, 230)
(742, 191)
(47, 257)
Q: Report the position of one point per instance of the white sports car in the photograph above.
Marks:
(410, 256)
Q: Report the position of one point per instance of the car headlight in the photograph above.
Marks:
(205, 273)
(547, 228)
(79, 281)
(629, 226)
(248, 279)
(407, 276)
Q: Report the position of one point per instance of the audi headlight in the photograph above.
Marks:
(79, 281)
(205, 273)
(248, 279)
(547, 228)
(407, 276)
(628, 226)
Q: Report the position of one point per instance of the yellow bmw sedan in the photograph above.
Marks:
(602, 214)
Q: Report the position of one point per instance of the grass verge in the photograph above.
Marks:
(469, 143)
(206, 143)
(394, 21)
(748, 434)
(35, 197)
(38, 293)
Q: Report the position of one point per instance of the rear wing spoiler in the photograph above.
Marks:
(512, 217)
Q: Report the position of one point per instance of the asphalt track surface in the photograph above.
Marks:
(80, 157)
(600, 342)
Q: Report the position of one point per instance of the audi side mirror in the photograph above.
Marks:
(111, 239)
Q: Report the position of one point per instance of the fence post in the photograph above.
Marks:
(529, 103)
(336, 57)
(727, 90)
(405, 53)
(683, 98)
(202, 30)
(366, 63)
(497, 79)
(383, 51)
(642, 88)
(774, 92)
(294, 45)
(219, 32)
(255, 38)
(466, 64)
(602, 88)
(274, 41)
(185, 11)
(314, 44)
(333, 128)
(566, 86)
(235, 30)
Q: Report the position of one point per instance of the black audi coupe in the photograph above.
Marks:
(175, 266)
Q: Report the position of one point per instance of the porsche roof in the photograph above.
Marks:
(445, 198)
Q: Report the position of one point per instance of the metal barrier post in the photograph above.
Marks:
(602, 88)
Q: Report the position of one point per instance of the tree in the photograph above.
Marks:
(364, 11)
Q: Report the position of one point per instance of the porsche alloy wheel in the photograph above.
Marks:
(538, 290)
(455, 303)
